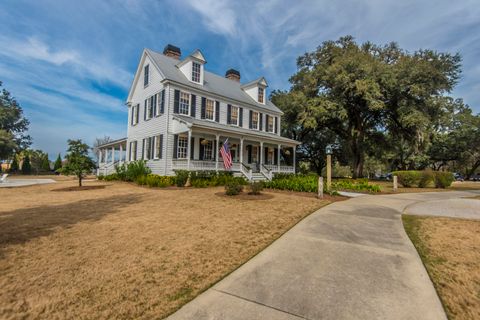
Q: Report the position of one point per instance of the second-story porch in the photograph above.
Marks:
(197, 144)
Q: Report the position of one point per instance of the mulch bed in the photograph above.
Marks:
(82, 188)
(247, 196)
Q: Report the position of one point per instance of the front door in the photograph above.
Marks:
(255, 159)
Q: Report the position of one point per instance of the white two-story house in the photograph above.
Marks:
(179, 115)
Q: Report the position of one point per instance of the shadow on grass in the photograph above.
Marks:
(22, 225)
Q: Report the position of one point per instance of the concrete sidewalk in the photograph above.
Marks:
(349, 260)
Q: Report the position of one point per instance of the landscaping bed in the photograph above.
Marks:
(450, 250)
(127, 251)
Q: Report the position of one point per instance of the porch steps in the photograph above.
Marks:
(257, 176)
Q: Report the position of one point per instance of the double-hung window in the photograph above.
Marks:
(196, 69)
(210, 109)
(134, 115)
(146, 75)
(208, 151)
(158, 147)
(182, 147)
(147, 148)
(271, 124)
(234, 115)
(261, 93)
(184, 105)
(150, 103)
(133, 151)
(255, 120)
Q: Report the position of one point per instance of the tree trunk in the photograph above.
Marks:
(80, 181)
(472, 170)
(358, 159)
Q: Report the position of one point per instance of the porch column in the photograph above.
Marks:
(278, 157)
(294, 156)
(189, 149)
(99, 156)
(120, 157)
(261, 152)
(113, 154)
(216, 151)
(241, 151)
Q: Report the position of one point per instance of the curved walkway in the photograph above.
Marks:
(455, 208)
(349, 260)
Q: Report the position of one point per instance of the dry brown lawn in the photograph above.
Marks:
(387, 187)
(126, 251)
(450, 250)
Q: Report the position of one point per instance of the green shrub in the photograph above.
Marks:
(111, 177)
(443, 179)
(200, 183)
(293, 182)
(131, 171)
(100, 177)
(181, 177)
(408, 178)
(141, 180)
(355, 185)
(233, 188)
(256, 187)
(426, 177)
(156, 181)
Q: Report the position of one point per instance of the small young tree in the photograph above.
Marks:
(14, 164)
(26, 166)
(46, 164)
(58, 163)
(78, 161)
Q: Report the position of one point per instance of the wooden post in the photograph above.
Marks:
(217, 138)
(395, 183)
(329, 171)
(320, 188)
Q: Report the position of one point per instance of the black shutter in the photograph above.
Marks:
(204, 103)
(215, 151)
(160, 152)
(138, 112)
(229, 114)
(132, 115)
(193, 106)
(217, 111)
(175, 145)
(276, 125)
(145, 110)
(249, 153)
(260, 120)
(250, 125)
(240, 120)
(162, 103)
(155, 107)
(275, 156)
(152, 148)
(192, 147)
(265, 155)
(176, 102)
(143, 149)
(266, 122)
(202, 150)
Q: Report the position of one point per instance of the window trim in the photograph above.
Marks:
(262, 95)
(181, 138)
(180, 103)
(214, 106)
(133, 155)
(134, 115)
(238, 115)
(194, 64)
(258, 120)
(157, 152)
(273, 124)
(212, 152)
(146, 75)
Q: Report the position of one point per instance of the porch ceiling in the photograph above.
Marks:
(231, 131)
(114, 143)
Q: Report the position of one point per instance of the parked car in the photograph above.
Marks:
(458, 176)
(475, 177)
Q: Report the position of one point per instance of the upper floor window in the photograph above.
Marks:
(209, 109)
(184, 105)
(146, 75)
(270, 124)
(234, 115)
(255, 121)
(196, 71)
(261, 93)
(134, 115)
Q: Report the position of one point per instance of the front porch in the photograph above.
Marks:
(199, 149)
(111, 154)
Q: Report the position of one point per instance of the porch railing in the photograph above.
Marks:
(246, 171)
(283, 169)
(202, 165)
(266, 172)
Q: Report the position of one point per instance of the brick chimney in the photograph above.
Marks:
(233, 74)
(172, 51)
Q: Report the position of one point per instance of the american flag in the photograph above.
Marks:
(226, 156)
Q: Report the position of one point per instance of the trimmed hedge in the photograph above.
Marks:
(355, 185)
(423, 179)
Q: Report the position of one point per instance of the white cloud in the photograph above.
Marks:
(218, 15)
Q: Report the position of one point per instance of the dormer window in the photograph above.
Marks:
(261, 93)
(196, 69)
(145, 75)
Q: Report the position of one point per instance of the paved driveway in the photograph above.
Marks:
(349, 260)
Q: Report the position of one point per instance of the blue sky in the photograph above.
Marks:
(70, 63)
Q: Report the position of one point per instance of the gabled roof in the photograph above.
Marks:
(213, 83)
(260, 81)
